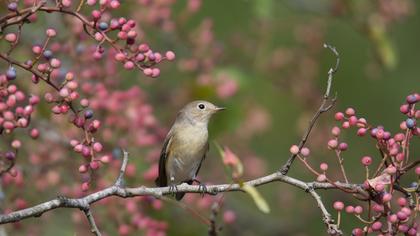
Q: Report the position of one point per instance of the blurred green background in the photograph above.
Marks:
(273, 52)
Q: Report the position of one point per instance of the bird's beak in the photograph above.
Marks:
(219, 109)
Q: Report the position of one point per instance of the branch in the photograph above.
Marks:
(324, 107)
(94, 229)
(115, 190)
(332, 228)
(120, 180)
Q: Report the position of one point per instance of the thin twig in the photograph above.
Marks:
(93, 228)
(120, 179)
(322, 108)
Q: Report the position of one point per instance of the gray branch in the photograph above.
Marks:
(124, 192)
(93, 228)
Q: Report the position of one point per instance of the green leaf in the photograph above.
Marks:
(256, 196)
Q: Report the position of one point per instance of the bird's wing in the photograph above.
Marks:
(206, 150)
(162, 180)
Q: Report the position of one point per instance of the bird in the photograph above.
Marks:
(186, 146)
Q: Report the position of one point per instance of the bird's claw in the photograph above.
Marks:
(173, 189)
(202, 188)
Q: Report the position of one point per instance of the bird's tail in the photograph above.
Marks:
(179, 196)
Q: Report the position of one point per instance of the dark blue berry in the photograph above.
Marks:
(12, 6)
(410, 123)
(10, 155)
(48, 54)
(11, 73)
(88, 114)
(103, 26)
(411, 99)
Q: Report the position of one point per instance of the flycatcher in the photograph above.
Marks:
(185, 146)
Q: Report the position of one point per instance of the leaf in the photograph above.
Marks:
(384, 179)
(256, 196)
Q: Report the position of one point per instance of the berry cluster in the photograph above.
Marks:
(383, 186)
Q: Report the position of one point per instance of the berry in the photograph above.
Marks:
(12, 6)
(339, 206)
(294, 149)
(47, 54)
(411, 99)
(410, 123)
(366, 160)
(332, 144)
(305, 151)
(11, 73)
(103, 26)
(170, 56)
(88, 114)
(343, 146)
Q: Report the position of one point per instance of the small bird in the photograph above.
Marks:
(185, 146)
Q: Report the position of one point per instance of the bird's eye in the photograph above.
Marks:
(201, 106)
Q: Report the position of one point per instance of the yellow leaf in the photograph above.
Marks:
(258, 199)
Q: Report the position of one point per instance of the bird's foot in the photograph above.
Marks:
(201, 187)
(173, 189)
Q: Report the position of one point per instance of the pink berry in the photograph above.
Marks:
(350, 111)
(94, 165)
(323, 166)
(128, 65)
(345, 125)
(97, 147)
(339, 116)
(143, 47)
(11, 37)
(294, 149)
(401, 215)
(393, 218)
(106, 159)
(404, 108)
(148, 71)
(350, 209)
(357, 232)
(120, 56)
(335, 131)
(170, 56)
(376, 226)
(332, 144)
(379, 187)
(85, 186)
(391, 170)
(16, 144)
(83, 169)
(366, 160)
(353, 120)
(321, 178)
(361, 132)
(84, 102)
(343, 146)
(155, 72)
(229, 217)
(417, 170)
(51, 32)
(339, 206)
(55, 63)
(358, 210)
(305, 151)
(34, 133)
(402, 201)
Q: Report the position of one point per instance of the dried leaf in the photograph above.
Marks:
(258, 199)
